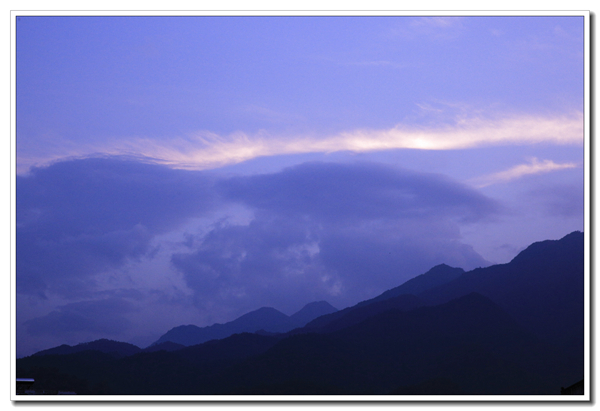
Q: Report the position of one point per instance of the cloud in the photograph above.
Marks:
(103, 317)
(332, 192)
(534, 167)
(206, 150)
(558, 199)
(211, 150)
(78, 218)
(67, 265)
(88, 229)
(339, 232)
(273, 261)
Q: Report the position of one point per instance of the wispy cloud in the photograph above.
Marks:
(533, 167)
(432, 28)
(209, 150)
(437, 21)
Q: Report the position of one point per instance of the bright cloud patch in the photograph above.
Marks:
(534, 167)
(210, 150)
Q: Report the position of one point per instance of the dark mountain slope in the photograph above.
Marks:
(235, 347)
(359, 313)
(438, 275)
(520, 332)
(85, 372)
(469, 342)
(542, 288)
(177, 372)
(165, 346)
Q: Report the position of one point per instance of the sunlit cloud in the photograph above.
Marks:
(535, 166)
(209, 150)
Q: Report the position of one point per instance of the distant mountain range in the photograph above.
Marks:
(114, 348)
(266, 319)
(515, 328)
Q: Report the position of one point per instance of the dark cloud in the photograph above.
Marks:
(100, 195)
(65, 265)
(317, 231)
(332, 191)
(339, 232)
(97, 317)
(77, 218)
(385, 255)
(272, 261)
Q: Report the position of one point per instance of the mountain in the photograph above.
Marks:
(470, 342)
(542, 288)
(468, 345)
(311, 311)
(114, 348)
(164, 346)
(508, 329)
(358, 313)
(438, 275)
(266, 319)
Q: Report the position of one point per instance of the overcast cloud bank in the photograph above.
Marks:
(339, 232)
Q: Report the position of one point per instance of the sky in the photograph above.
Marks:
(187, 170)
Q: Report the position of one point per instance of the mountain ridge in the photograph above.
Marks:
(265, 319)
(115, 348)
(514, 328)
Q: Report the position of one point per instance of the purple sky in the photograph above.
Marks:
(187, 170)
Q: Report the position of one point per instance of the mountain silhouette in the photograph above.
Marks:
(311, 311)
(359, 313)
(164, 346)
(470, 342)
(265, 319)
(114, 348)
(438, 275)
(508, 329)
(542, 288)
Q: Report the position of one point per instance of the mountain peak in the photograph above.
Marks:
(311, 311)
(548, 248)
(438, 275)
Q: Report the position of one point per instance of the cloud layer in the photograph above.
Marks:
(76, 219)
(207, 150)
(534, 167)
(339, 232)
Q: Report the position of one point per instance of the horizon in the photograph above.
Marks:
(188, 170)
